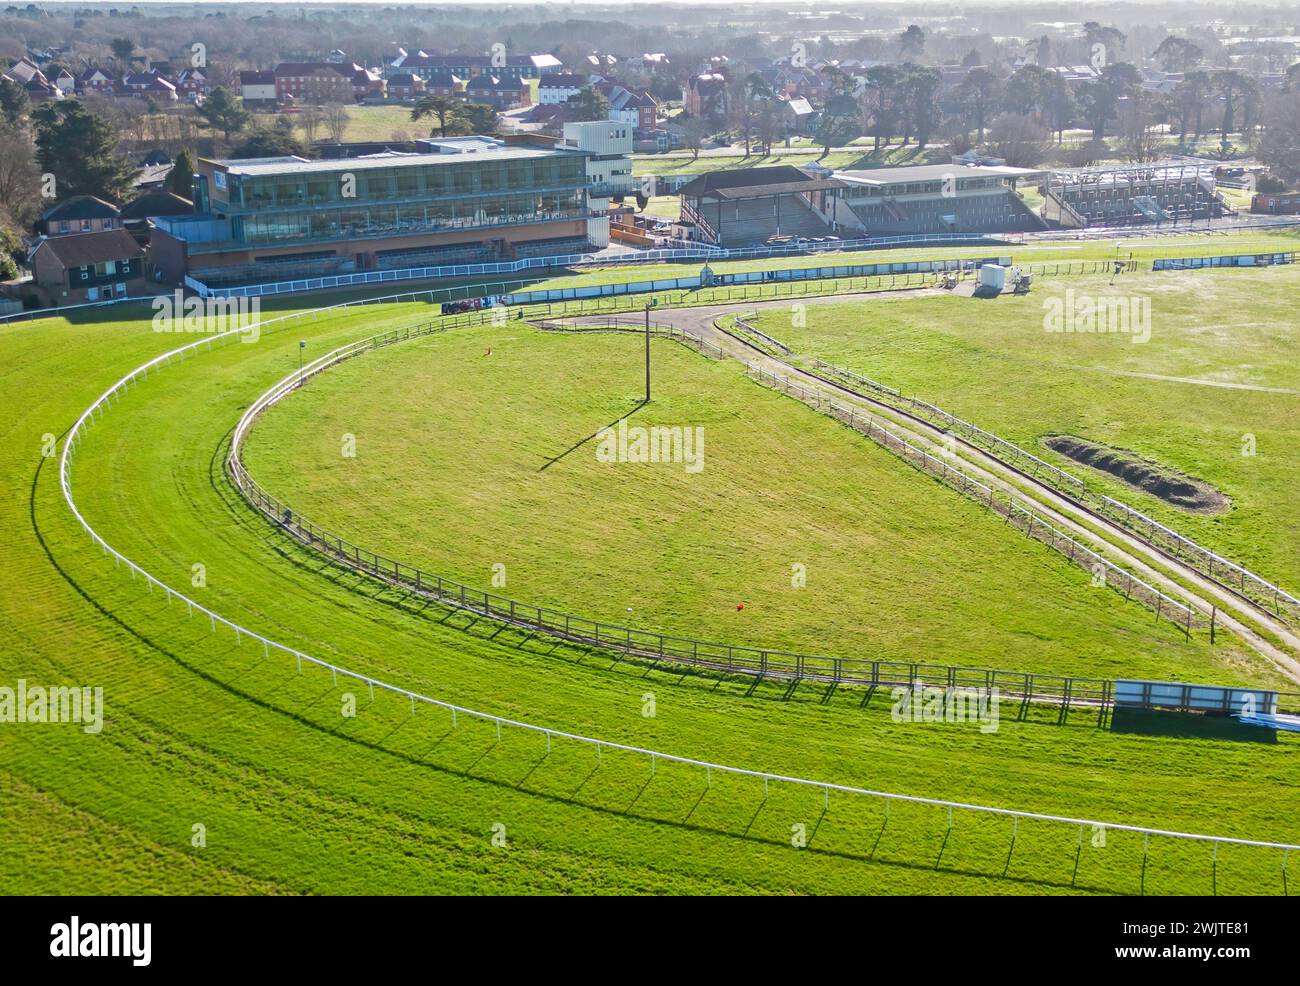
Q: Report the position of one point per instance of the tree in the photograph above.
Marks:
(180, 181)
(1279, 148)
(19, 177)
(1059, 106)
(123, 49)
(440, 108)
(1026, 90)
(918, 99)
(838, 123)
(1106, 43)
(224, 112)
(1018, 138)
(879, 96)
(1136, 117)
(13, 100)
(275, 141)
(693, 133)
(589, 103)
(1188, 102)
(751, 92)
(977, 95)
(336, 121)
(1178, 54)
(1232, 89)
(1100, 99)
(79, 149)
(309, 120)
(911, 43)
(479, 118)
(972, 59)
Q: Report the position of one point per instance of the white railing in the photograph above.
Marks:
(1072, 483)
(1206, 557)
(965, 483)
(96, 410)
(574, 260)
(1134, 519)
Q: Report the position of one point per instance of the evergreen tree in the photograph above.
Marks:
(80, 150)
(181, 179)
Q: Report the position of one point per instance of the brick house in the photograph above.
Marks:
(87, 267)
(192, 85)
(79, 214)
(313, 82)
(151, 85)
(443, 84)
(406, 87)
(504, 94)
(95, 80)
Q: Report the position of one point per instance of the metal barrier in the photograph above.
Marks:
(96, 410)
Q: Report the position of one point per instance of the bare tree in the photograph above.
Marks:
(336, 121)
(309, 122)
(19, 176)
(1018, 138)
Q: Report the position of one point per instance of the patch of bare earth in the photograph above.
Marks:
(1175, 489)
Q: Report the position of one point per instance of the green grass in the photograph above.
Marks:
(1226, 326)
(663, 548)
(381, 122)
(297, 799)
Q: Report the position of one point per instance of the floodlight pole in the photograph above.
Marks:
(647, 352)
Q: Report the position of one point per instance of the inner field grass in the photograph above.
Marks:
(296, 798)
(450, 474)
(1225, 326)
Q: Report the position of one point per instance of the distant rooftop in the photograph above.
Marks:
(254, 167)
(931, 172)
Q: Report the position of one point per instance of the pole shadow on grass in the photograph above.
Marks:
(573, 448)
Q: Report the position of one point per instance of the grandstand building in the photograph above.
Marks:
(759, 205)
(1166, 192)
(935, 199)
(752, 206)
(459, 200)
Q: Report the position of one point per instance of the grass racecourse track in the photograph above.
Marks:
(295, 797)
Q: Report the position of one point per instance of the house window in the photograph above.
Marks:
(85, 225)
(63, 227)
(92, 294)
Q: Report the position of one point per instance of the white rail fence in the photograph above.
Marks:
(102, 404)
(1225, 572)
(1115, 577)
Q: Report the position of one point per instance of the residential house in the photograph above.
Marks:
(137, 215)
(705, 95)
(638, 110)
(504, 94)
(87, 267)
(423, 64)
(257, 88)
(313, 82)
(445, 84)
(192, 85)
(95, 81)
(147, 85)
(38, 88)
(560, 87)
(406, 87)
(79, 214)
